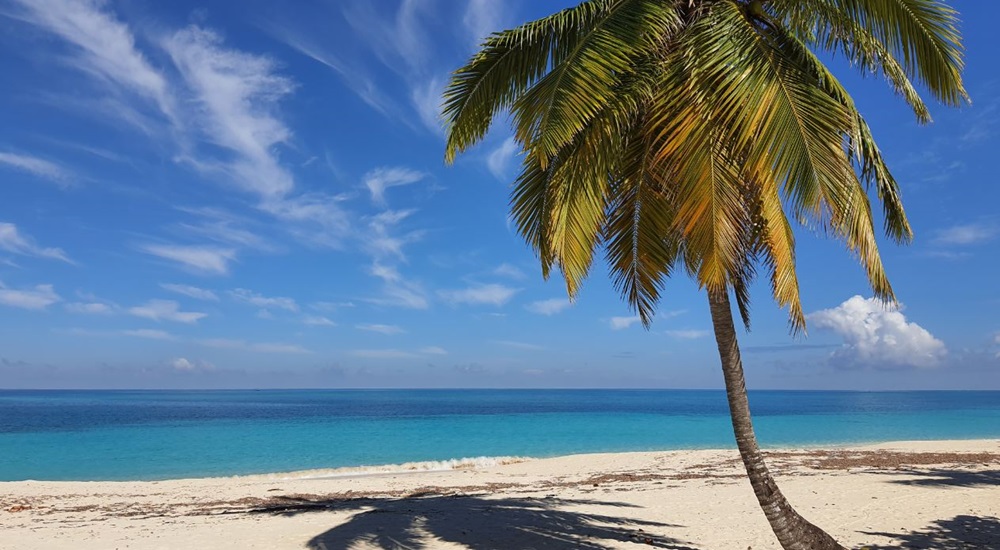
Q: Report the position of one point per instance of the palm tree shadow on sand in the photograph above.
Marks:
(477, 523)
(961, 532)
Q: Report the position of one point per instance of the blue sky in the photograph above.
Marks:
(219, 194)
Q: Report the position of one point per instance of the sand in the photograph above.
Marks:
(936, 494)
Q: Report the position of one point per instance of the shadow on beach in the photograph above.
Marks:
(948, 478)
(474, 522)
(958, 533)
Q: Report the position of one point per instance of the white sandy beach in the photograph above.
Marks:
(938, 494)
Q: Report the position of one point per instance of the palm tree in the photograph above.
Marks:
(684, 132)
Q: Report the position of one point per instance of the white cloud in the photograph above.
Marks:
(381, 243)
(191, 292)
(317, 321)
(353, 76)
(397, 291)
(381, 329)
(687, 334)
(35, 166)
(966, 234)
(202, 259)
(382, 354)
(90, 308)
(879, 336)
(548, 307)
(264, 347)
(186, 365)
(622, 323)
(16, 242)
(492, 294)
(507, 270)
(499, 159)
(150, 334)
(166, 310)
(105, 47)
(427, 101)
(237, 94)
(380, 179)
(433, 350)
(482, 18)
(39, 297)
(249, 297)
(314, 218)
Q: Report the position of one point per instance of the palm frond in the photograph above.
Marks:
(904, 38)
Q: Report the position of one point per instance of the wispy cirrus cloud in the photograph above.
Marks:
(548, 307)
(966, 234)
(90, 308)
(483, 18)
(237, 95)
(38, 297)
(211, 260)
(687, 334)
(397, 291)
(317, 321)
(149, 334)
(622, 323)
(12, 240)
(489, 294)
(388, 330)
(377, 181)
(36, 166)
(499, 159)
(166, 310)
(102, 46)
(252, 298)
(191, 292)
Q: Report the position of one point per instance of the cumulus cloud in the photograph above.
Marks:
(622, 323)
(186, 365)
(37, 298)
(166, 310)
(493, 294)
(878, 336)
(249, 297)
(380, 179)
(12, 240)
(548, 307)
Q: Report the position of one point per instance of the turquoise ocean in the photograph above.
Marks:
(151, 435)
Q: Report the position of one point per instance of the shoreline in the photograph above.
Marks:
(884, 495)
(477, 462)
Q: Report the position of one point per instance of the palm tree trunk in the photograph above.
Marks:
(793, 531)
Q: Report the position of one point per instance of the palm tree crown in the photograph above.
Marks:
(688, 132)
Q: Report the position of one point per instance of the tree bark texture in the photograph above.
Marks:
(792, 530)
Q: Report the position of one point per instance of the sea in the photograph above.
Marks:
(155, 435)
